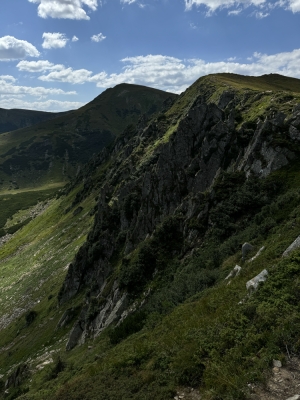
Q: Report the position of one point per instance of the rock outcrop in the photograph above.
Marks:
(253, 284)
(169, 167)
(294, 246)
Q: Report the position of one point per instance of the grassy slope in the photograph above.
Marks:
(33, 265)
(15, 119)
(209, 340)
(264, 82)
(70, 140)
(14, 201)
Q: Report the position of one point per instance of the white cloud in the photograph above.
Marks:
(262, 6)
(67, 9)
(235, 12)
(47, 105)
(54, 40)
(128, 1)
(213, 5)
(68, 75)
(261, 15)
(14, 49)
(294, 5)
(75, 39)
(141, 5)
(8, 87)
(175, 75)
(38, 66)
(98, 38)
(7, 78)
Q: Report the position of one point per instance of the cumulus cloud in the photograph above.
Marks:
(68, 75)
(294, 5)
(54, 40)
(175, 75)
(262, 6)
(47, 105)
(213, 5)
(7, 78)
(38, 66)
(75, 39)
(8, 87)
(98, 38)
(15, 49)
(67, 9)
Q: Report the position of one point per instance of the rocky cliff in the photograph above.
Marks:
(160, 193)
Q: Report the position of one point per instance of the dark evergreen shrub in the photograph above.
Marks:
(133, 323)
(30, 317)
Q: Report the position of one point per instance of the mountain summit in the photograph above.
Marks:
(53, 151)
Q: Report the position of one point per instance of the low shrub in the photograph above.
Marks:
(132, 324)
(30, 317)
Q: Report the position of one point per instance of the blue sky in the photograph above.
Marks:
(57, 55)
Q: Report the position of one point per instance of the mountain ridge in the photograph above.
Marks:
(53, 151)
(130, 258)
(12, 119)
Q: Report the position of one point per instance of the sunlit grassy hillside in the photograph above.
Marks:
(187, 326)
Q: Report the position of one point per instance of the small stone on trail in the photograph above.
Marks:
(277, 363)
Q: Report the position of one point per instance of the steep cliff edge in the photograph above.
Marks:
(160, 186)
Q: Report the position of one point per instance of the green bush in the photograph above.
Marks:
(55, 368)
(135, 273)
(30, 317)
(131, 324)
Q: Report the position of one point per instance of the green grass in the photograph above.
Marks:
(274, 82)
(195, 329)
(33, 266)
(209, 341)
(35, 156)
(11, 203)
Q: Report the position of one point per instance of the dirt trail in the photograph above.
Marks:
(283, 384)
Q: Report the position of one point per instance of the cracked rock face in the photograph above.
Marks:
(152, 177)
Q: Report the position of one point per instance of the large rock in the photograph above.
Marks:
(253, 284)
(17, 376)
(294, 246)
(246, 248)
